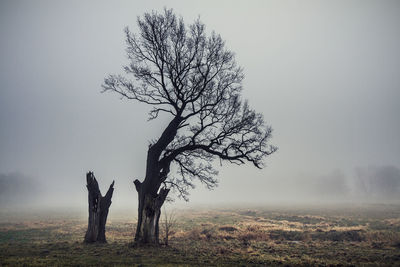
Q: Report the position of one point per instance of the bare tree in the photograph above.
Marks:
(193, 78)
(169, 223)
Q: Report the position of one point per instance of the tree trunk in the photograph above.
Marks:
(151, 197)
(149, 212)
(98, 210)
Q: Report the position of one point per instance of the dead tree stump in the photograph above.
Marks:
(98, 210)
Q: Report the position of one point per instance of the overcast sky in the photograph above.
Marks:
(325, 74)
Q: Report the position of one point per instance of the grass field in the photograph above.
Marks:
(264, 236)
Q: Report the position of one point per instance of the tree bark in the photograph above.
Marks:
(149, 212)
(98, 210)
(151, 197)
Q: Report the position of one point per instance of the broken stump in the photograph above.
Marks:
(98, 210)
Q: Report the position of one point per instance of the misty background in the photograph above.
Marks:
(325, 74)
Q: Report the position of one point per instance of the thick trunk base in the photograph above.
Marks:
(98, 210)
(147, 231)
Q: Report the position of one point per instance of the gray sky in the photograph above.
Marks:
(325, 74)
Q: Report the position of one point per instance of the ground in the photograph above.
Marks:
(240, 236)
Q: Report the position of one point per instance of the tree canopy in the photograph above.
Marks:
(181, 71)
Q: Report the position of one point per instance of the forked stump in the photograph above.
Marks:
(98, 210)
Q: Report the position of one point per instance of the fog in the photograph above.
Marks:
(16, 190)
(325, 74)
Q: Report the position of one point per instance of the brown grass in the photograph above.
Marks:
(214, 238)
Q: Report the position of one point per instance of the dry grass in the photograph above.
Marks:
(261, 237)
